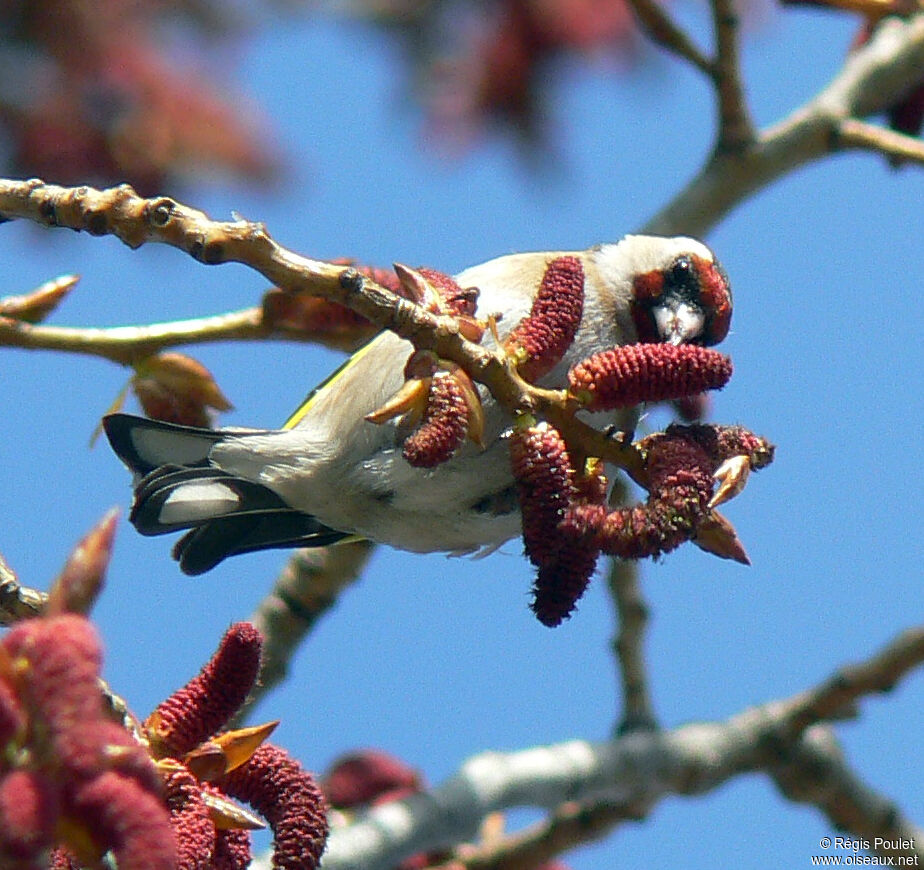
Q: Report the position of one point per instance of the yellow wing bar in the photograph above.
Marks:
(328, 382)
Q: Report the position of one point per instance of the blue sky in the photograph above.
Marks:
(432, 658)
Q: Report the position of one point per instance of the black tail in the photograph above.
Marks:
(177, 488)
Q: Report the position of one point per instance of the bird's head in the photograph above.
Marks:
(680, 293)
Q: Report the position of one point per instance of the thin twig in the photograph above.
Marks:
(662, 30)
(128, 344)
(629, 640)
(632, 613)
(898, 147)
(735, 129)
(570, 825)
(877, 674)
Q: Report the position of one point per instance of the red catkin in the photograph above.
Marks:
(206, 703)
(444, 426)
(625, 376)
(544, 336)
(361, 777)
(542, 470)
(286, 795)
(680, 484)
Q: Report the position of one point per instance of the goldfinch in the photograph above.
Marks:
(330, 474)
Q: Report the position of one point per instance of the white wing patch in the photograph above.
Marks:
(192, 502)
(165, 447)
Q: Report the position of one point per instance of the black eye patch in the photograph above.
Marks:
(682, 280)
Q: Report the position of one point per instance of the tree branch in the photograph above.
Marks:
(872, 79)
(17, 601)
(879, 674)
(571, 825)
(898, 147)
(661, 29)
(640, 768)
(128, 344)
(632, 619)
(120, 212)
(735, 130)
(628, 644)
(814, 771)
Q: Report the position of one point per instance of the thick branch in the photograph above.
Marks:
(120, 212)
(639, 769)
(814, 771)
(872, 79)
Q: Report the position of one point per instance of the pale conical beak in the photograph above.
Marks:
(680, 324)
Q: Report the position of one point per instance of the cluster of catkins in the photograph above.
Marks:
(566, 519)
(79, 782)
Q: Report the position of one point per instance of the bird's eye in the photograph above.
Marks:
(681, 270)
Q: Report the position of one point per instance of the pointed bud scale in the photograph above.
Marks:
(455, 299)
(441, 294)
(237, 746)
(469, 391)
(34, 307)
(227, 815)
(731, 476)
(410, 398)
(207, 761)
(625, 376)
(736, 440)
(177, 389)
(79, 583)
(542, 338)
(444, 426)
(418, 288)
(184, 376)
(716, 535)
